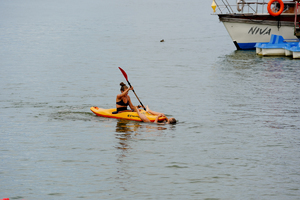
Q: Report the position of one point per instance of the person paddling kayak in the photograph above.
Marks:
(158, 114)
(123, 100)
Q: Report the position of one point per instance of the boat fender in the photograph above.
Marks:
(274, 14)
(238, 5)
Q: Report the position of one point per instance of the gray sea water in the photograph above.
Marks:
(238, 135)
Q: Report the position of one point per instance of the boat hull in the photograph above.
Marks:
(273, 52)
(296, 54)
(288, 52)
(245, 32)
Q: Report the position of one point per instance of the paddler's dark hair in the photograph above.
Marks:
(123, 86)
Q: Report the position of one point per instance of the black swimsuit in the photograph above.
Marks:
(121, 103)
(121, 109)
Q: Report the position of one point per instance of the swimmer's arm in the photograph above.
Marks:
(157, 118)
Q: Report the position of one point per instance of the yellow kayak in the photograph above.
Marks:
(124, 115)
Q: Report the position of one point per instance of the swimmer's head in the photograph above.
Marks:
(172, 120)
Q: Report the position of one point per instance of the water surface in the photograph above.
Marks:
(238, 131)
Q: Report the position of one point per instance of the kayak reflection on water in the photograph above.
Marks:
(126, 130)
(127, 127)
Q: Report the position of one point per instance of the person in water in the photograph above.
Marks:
(145, 119)
(123, 100)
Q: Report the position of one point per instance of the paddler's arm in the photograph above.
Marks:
(130, 104)
(119, 96)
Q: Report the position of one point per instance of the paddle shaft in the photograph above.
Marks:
(125, 75)
(136, 95)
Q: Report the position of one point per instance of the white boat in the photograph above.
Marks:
(249, 23)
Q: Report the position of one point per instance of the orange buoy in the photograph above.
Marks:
(278, 12)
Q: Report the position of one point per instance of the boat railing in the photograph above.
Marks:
(243, 7)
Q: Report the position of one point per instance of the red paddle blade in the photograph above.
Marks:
(124, 73)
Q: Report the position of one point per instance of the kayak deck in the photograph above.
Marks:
(124, 115)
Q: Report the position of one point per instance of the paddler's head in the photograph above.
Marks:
(123, 87)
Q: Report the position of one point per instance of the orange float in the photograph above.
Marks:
(278, 12)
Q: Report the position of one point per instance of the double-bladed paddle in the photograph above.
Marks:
(126, 77)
